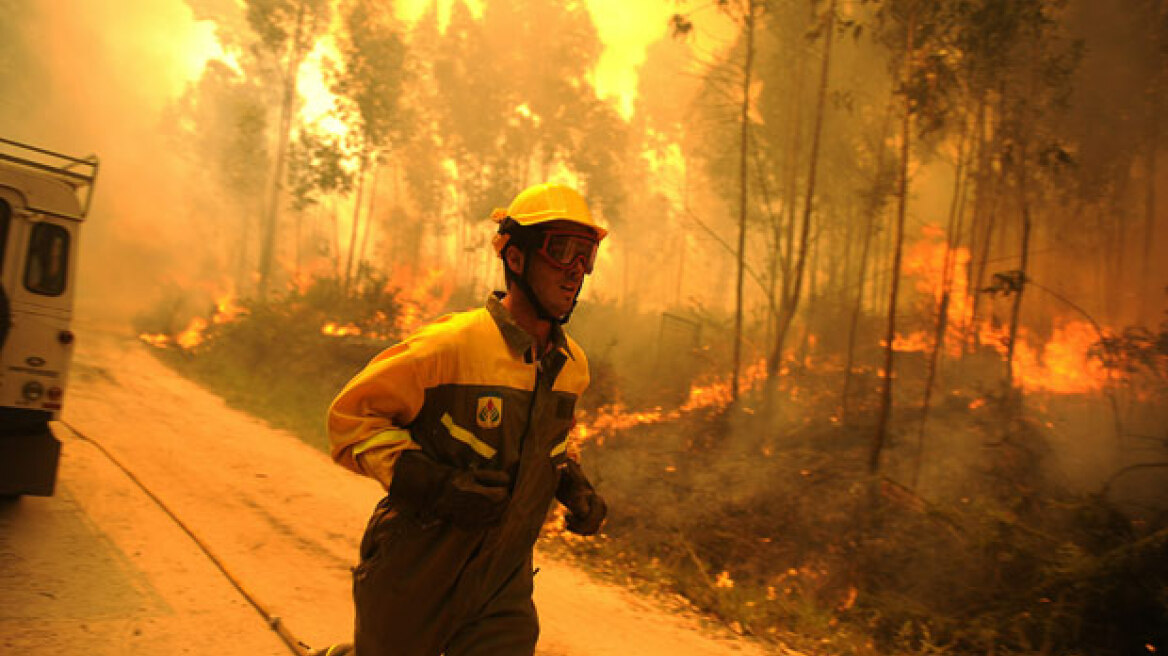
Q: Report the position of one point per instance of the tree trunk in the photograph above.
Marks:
(784, 229)
(881, 435)
(873, 210)
(791, 297)
(951, 239)
(369, 223)
(742, 198)
(1024, 205)
(981, 225)
(1153, 145)
(356, 221)
(336, 239)
(276, 184)
(241, 270)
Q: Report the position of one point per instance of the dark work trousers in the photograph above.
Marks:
(418, 592)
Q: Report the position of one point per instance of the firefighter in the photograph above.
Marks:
(465, 423)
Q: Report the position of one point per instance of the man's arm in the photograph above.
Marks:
(366, 421)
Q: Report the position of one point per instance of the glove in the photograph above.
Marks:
(586, 508)
(471, 499)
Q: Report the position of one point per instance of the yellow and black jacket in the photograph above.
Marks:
(462, 390)
(466, 390)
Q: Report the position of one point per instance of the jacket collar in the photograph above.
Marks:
(518, 339)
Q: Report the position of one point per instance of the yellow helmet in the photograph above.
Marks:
(546, 202)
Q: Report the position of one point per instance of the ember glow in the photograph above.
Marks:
(617, 417)
(227, 309)
(333, 329)
(1059, 364)
(423, 295)
(926, 264)
(724, 580)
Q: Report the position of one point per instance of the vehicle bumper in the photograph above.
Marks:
(28, 463)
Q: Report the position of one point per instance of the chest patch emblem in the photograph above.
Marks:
(490, 411)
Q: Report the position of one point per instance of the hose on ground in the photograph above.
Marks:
(273, 621)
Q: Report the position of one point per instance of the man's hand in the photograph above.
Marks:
(469, 498)
(474, 498)
(586, 508)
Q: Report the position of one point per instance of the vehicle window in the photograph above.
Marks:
(5, 216)
(48, 257)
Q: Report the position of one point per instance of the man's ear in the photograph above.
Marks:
(513, 259)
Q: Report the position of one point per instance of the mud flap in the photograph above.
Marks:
(28, 463)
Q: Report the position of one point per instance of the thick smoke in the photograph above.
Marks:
(98, 78)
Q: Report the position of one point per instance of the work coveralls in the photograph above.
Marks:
(468, 391)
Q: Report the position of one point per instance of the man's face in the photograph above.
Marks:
(555, 287)
(555, 284)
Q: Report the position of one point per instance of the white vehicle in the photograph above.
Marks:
(44, 197)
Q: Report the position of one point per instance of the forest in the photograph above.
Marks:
(879, 338)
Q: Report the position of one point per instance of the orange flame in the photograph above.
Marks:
(226, 311)
(422, 295)
(333, 329)
(157, 340)
(925, 262)
(1060, 364)
(724, 580)
(192, 335)
(421, 298)
(616, 417)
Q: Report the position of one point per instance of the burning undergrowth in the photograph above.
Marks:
(996, 523)
(284, 360)
(786, 535)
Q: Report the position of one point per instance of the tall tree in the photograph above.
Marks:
(543, 116)
(369, 83)
(317, 169)
(287, 29)
(874, 200)
(1157, 13)
(748, 27)
(905, 13)
(421, 147)
(789, 303)
(222, 123)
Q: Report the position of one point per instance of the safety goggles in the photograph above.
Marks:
(563, 249)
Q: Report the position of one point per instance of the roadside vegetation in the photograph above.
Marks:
(763, 514)
(273, 360)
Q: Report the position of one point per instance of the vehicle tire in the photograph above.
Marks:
(5, 315)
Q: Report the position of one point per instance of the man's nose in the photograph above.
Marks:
(576, 270)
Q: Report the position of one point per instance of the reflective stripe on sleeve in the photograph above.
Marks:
(391, 437)
(559, 448)
(468, 438)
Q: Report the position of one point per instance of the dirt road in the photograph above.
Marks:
(102, 568)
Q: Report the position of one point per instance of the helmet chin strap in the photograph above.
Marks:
(520, 281)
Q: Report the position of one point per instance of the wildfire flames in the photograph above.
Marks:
(333, 329)
(421, 297)
(1059, 364)
(227, 310)
(617, 417)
